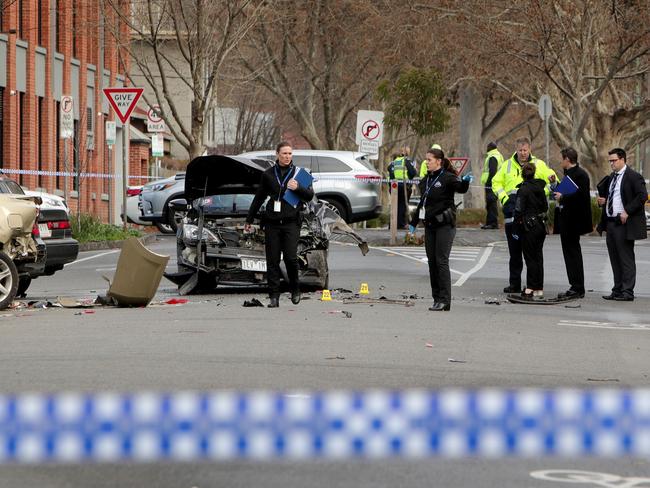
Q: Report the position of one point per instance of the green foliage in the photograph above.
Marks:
(378, 222)
(415, 99)
(89, 228)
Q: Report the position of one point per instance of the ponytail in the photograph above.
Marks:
(447, 166)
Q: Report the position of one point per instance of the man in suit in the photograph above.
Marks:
(572, 219)
(623, 219)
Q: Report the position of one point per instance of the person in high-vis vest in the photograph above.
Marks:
(402, 169)
(505, 184)
(423, 164)
(492, 164)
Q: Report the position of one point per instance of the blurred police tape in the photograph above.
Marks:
(222, 426)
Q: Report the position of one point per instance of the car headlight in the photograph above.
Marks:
(191, 233)
(158, 187)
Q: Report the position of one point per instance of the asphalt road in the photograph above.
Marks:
(214, 343)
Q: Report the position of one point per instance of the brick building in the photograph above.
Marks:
(50, 48)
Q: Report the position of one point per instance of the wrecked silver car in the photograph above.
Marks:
(218, 193)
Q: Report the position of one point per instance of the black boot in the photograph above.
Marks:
(274, 302)
(295, 297)
(440, 307)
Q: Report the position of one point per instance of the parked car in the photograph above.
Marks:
(133, 206)
(53, 227)
(226, 254)
(647, 220)
(22, 251)
(345, 179)
(154, 200)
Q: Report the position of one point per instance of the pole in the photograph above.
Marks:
(110, 186)
(65, 173)
(125, 158)
(393, 212)
(547, 114)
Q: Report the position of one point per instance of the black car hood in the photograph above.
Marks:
(214, 175)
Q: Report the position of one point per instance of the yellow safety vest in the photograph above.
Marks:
(399, 168)
(494, 153)
(505, 182)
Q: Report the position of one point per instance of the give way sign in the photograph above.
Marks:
(123, 100)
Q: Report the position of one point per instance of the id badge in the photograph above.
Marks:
(277, 206)
(422, 213)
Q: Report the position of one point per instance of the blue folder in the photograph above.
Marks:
(304, 179)
(567, 186)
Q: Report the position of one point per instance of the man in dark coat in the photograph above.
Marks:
(572, 220)
(623, 219)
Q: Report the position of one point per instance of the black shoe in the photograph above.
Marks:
(528, 296)
(295, 297)
(440, 307)
(613, 296)
(489, 226)
(512, 289)
(624, 298)
(571, 294)
(274, 303)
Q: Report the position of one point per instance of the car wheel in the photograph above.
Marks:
(8, 281)
(337, 207)
(23, 284)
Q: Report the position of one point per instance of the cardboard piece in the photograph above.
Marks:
(137, 276)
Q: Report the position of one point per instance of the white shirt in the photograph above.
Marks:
(616, 192)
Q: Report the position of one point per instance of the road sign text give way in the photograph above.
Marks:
(123, 100)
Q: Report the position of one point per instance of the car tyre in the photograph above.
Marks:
(23, 284)
(165, 228)
(337, 207)
(8, 281)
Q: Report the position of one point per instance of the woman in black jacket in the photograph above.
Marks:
(530, 217)
(281, 222)
(438, 212)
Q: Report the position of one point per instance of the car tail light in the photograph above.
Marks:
(59, 224)
(132, 192)
(35, 231)
(368, 177)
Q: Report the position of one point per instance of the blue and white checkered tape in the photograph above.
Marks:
(186, 426)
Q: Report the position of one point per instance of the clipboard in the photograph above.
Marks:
(567, 186)
(304, 179)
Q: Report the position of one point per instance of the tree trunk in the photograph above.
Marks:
(471, 145)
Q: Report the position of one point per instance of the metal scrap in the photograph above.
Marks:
(384, 300)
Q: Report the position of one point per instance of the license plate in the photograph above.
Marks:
(44, 230)
(253, 264)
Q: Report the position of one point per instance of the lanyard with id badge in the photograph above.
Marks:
(426, 195)
(277, 204)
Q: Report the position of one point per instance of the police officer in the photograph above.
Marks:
(504, 186)
(423, 166)
(438, 212)
(281, 222)
(492, 164)
(402, 169)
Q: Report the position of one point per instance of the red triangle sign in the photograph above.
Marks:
(123, 100)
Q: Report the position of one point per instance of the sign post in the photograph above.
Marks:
(123, 100)
(545, 110)
(110, 132)
(66, 129)
(156, 124)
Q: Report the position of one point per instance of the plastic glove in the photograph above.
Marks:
(468, 177)
(411, 229)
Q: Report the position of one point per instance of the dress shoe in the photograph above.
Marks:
(571, 294)
(489, 226)
(295, 297)
(624, 298)
(511, 289)
(612, 296)
(440, 307)
(274, 303)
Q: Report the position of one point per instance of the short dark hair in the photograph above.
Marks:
(522, 140)
(436, 153)
(570, 154)
(619, 152)
(491, 146)
(281, 145)
(528, 171)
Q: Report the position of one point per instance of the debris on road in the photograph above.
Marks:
(176, 301)
(384, 300)
(492, 301)
(341, 290)
(603, 379)
(573, 305)
(68, 302)
(252, 303)
(428, 344)
(452, 360)
(348, 315)
(336, 357)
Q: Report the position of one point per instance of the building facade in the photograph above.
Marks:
(49, 49)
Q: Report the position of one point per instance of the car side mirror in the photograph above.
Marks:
(178, 205)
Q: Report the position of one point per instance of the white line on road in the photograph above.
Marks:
(479, 265)
(603, 325)
(92, 257)
(419, 260)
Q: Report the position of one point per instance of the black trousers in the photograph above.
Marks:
(516, 263)
(281, 238)
(621, 257)
(492, 217)
(573, 260)
(532, 245)
(437, 242)
(402, 205)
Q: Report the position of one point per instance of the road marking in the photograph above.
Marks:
(391, 250)
(603, 325)
(592, 478)
(92, 257)
(477, 267)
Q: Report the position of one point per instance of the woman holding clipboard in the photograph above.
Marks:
(281, 221)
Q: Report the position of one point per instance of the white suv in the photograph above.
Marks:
(345, 179)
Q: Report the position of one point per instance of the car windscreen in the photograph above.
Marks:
(228, 204)
(9, 186)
